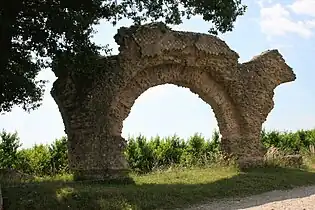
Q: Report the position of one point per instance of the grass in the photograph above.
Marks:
(174, 188)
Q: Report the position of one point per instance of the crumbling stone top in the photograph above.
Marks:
(155, 38)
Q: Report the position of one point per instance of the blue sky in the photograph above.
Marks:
(167, 109)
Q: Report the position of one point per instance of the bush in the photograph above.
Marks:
(9, 144)
(145, 155)
(291, 142)
(59, 156)
(40, 160)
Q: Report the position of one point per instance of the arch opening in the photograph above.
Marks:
(167, 110)
(196, 80)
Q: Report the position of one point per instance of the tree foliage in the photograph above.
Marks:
(9, 144)
(38, 160)
(33, 33)
(143, 154)
(59, 155)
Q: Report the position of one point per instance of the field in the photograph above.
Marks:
(169, 173)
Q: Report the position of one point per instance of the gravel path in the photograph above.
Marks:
(302, 198)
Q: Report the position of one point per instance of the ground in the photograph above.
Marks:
(297, 198)
(175, 188)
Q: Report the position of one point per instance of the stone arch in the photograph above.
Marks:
(197, 80)
(94, 103)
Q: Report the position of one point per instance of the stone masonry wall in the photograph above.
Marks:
(241, 95)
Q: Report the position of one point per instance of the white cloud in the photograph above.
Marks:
(262, 2)
(303, 7)
(311, 23)
(281, 46)
(276, 19)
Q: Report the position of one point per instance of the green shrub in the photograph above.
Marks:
(59, 156)
(38, 160)
(291, 142)
(9, 145)
(145, 155)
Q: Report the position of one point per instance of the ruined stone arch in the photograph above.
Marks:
(94, 104)
(196, 79)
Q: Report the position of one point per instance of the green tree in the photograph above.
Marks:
(38, 160)
(59, 155)
(9, 144)
(33, 33)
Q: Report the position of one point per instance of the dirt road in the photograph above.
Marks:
(302, 198)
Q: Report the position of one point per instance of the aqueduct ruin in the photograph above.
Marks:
(94, 105)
